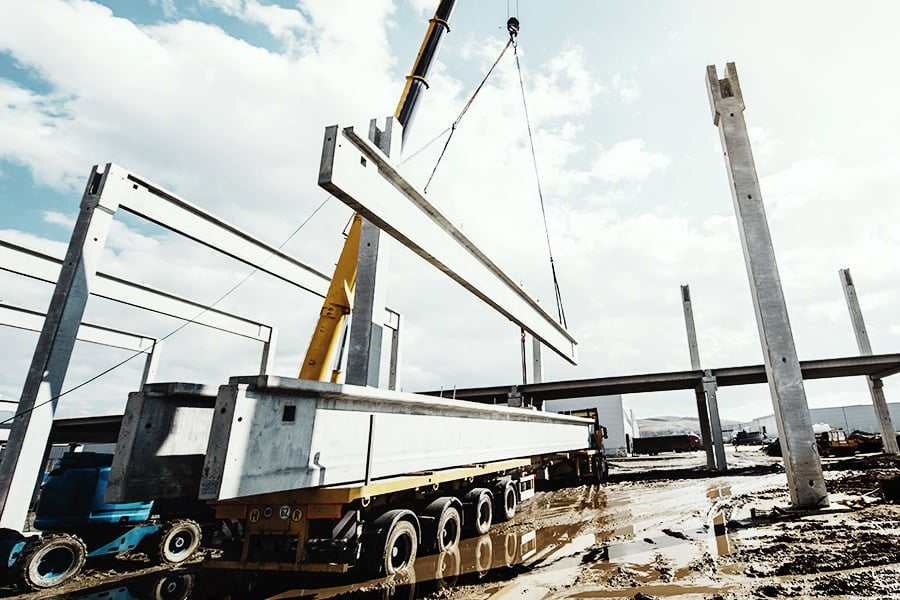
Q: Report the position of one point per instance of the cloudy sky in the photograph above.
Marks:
(224, 102)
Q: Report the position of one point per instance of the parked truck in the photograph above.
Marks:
(665, 443)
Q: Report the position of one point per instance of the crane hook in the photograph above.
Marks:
(512, 25)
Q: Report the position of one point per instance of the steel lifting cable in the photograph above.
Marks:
(537, 177)
(512, 35)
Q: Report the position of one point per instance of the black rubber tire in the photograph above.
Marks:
(505, 501)
(178, 541)
(400, 547)
(50, 561)
(174, 587)
(479, 511)
(448, 530)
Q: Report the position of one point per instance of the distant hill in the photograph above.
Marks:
(655, 426)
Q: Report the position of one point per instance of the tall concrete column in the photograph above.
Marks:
(801, 461)
(693, 349)
(22, 462)
(537, 369)
(876, 387)
(710, 386)
(366, 330)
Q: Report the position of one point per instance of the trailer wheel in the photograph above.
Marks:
(449, 529)
(442, 524)
(179, 540)
(400, 547)
(479, 511)
(505, 501)
(50, 561)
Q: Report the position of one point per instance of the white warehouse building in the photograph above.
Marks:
(614, 414)
(858, 417)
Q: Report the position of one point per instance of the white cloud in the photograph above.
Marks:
(627, 161)
(57, 218)
(627, 89)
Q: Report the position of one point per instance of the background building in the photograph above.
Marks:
(614, 413)
(849, 418)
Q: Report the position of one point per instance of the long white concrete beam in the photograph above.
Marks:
(361, 175)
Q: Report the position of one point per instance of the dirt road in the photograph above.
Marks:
(661, 528)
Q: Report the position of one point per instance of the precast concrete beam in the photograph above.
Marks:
(362, 176)
(272, 434)
(806, 482)
(876, 386)
(710, 388)
(162, 443)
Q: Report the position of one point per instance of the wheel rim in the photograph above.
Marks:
(55, 564)
(400, 552)
(180, 543)
(449, 534)
(484, 514)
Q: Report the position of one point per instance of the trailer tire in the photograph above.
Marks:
(505, 501)
(51, 560)
(400, 546)
(479, 510)
(178, 541)
(442, 524)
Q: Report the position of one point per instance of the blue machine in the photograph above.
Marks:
(77, 524)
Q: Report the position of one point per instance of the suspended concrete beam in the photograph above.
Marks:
(876, 386)
(357, 172)
(31, 320)
(703, 411)
(806, 482)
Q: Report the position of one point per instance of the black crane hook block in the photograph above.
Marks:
(513, 27)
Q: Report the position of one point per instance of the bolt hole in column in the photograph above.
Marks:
(783, 359)
(750, 196)
(732, 114)
(812, 483)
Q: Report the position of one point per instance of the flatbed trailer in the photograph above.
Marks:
(313, 476)
(382, 526)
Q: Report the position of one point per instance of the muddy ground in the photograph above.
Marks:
(661, 528)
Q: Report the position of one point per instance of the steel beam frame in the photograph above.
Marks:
(361, 175)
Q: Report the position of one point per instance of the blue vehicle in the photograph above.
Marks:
(76, 524)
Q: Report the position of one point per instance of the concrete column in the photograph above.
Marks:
(876, 387)
(394, 323)
(537, 369)
(693, 349)
(366, 331)
(801, 461)
(22, 463)
(710, 386)
(150, 363)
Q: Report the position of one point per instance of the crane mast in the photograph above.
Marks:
(323, 346)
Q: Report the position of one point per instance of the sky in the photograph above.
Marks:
(225, 102)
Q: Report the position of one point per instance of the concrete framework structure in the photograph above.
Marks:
(712, 435)
(876, 386)
(31, 320)
(806, 482)
(534, 394)
(361, 175)
(106, 192)
(34, 264)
